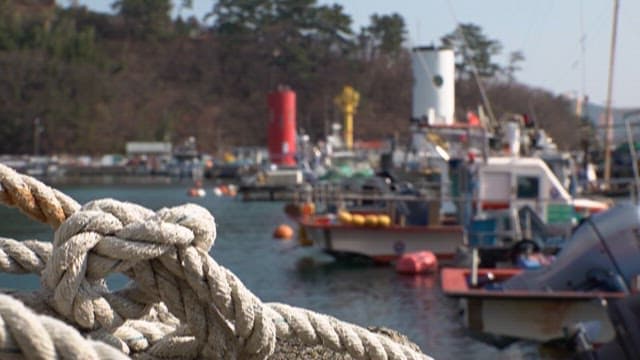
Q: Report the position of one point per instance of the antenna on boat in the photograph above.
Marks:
(608, 115)
(474, 69)
(583, 50)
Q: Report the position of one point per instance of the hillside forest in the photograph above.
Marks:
(87, 82)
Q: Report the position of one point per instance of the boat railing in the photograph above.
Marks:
(336, 194)
(542, 218)
(510, 226)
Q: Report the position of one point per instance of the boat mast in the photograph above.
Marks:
(608, 115)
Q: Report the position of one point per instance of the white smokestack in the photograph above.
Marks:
(433, 88)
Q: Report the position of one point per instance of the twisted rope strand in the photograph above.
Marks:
(34, 198)
(41, 337)
(23, 257)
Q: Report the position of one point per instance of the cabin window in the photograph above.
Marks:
(495, 186)
(528, 187)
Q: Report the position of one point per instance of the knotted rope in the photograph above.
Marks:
(179, 304)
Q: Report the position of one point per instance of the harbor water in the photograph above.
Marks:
(284, 272)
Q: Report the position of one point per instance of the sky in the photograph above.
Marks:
(547, 32)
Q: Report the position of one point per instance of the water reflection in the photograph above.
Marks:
(423, 281)
(309, 265)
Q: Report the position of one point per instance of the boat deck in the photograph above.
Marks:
(455, 284)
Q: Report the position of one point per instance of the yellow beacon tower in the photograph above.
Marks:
(347, 101)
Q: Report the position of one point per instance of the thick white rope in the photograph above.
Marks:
(164, 250)
(22, 257)
(24, 333)
(209, 313)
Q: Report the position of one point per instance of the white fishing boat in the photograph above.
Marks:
(380, 243)
(417, 222)
(493, 202)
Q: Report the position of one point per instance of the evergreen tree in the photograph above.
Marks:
(145, 18)
(473, 48)
(386, 34)
(515, 58)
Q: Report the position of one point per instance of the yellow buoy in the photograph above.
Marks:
(384, 220)
(357, 219)
(371, 220)
(345, 217)
(284, 232)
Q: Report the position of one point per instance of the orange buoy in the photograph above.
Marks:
(417, 263)
(308, 208)
(283, 231)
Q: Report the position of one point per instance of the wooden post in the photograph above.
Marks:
(475, 262)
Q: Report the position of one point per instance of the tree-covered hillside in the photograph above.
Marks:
(94, 81)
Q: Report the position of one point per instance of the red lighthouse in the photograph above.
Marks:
(282, 127)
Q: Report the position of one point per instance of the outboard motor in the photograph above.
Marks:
(603, 254)
(625, 316)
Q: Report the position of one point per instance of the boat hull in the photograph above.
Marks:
(384, 244)
(527, 315)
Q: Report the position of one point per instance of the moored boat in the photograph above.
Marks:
(500, 203)
(598, 265)
(543, 316)
(518, 202)
(382, 244)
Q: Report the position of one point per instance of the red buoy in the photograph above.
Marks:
(417, 263)
(282, 127)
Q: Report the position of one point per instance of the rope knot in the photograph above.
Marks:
(107, 236)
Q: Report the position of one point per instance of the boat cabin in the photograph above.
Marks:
(516, 182)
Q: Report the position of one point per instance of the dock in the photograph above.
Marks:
(270, 192)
